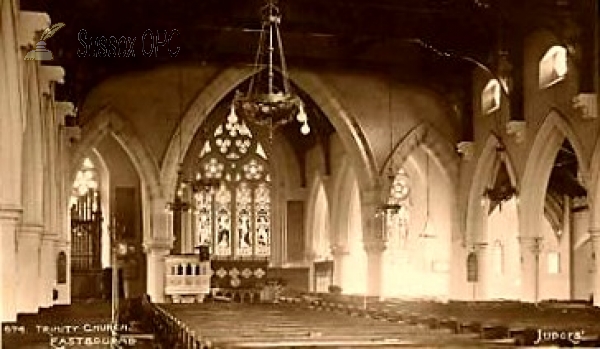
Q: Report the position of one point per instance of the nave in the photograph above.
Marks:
(310, 320)
(456, 172)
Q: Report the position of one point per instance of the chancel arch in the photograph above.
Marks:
(344, 124)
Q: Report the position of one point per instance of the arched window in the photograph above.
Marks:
(398, 218)
(490, 97)
(553, 262)
(553, 66)
(234, 220)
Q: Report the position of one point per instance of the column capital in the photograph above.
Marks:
(158, 245)
(31, 231)
(478, 246)
(339, 250)
(63, 244)
(374, 246)
(533, 243)
(10, 212)
(371, 197)
(30, 25)
(517, 128)
(594, 233)
(64, 109)
(50, 74)
(466, 149)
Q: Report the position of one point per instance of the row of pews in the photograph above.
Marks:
(325, 320)
(510, 322)
(297, 322)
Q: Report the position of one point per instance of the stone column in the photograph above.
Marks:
(9, 218)
(28, 262)
(484, 270)
(374, 249)
(340, 253)
(47, 280)
(374, 239)
(580, 256)
(32, 228)
(64, 289)
(530, 267)
(63, 242)
(48, 77)
(157, 247)
(11, 132)
(156, 252)
(595, 239)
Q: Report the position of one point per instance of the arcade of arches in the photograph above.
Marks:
(384, 197)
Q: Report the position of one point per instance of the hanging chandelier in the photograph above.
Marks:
(502, 189)
(269, 100)
(179, 204)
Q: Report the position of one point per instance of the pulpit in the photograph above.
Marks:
(187, 279)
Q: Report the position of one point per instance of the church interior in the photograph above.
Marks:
(417, 151)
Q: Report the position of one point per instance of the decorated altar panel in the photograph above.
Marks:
(238, 273)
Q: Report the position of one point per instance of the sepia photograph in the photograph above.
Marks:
(203, 174)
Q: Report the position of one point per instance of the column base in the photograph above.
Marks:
(8, 293)
(47, 270)
(64, 289)
(374, 251)
(155, 287)
(28, 246)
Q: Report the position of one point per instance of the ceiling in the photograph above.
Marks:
(374, 34)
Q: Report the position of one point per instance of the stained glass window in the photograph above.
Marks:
(234, 220)
(223, 224)
(262, 203)
(204, 219)
(243, 213)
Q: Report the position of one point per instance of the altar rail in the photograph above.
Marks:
(187, 278)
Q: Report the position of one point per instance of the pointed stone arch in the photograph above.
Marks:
(339, 213)
(109, 122)
(344, 123)
(485, 170)
(441, 151)
(549, 138)
(318, 193)
(594, 192)
(437, 149)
